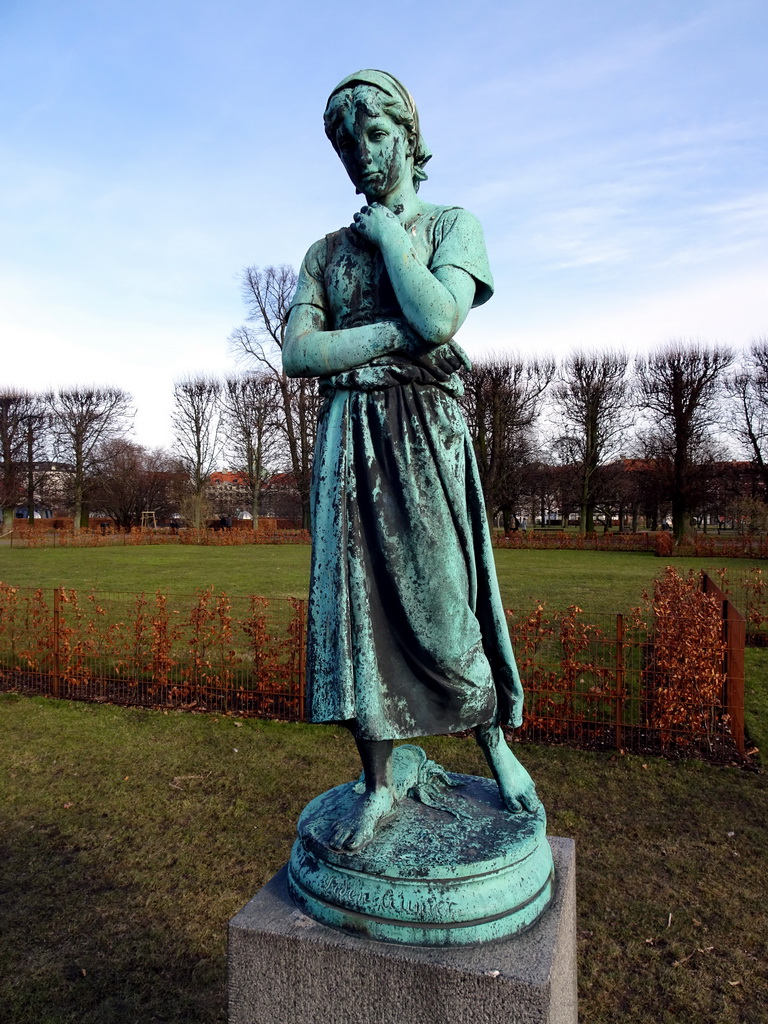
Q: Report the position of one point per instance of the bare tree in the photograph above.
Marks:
(680, 384)
(84, 419)
(15, 409)
(267, 293)
(37, 445)
(133, 479)
(749, 388)
(196, 420)
(549, 489)
(590, 399)
(502, 402)
(251, 406)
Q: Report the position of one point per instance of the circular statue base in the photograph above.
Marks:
(463, 872)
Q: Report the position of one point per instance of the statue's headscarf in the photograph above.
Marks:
(397, 92)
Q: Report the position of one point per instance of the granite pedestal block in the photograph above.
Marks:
(286, 968)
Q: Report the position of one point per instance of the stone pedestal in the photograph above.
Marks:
(286, 968)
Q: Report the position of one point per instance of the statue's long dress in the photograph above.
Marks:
(407, 633)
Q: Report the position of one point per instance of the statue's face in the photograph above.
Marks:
(374, 150)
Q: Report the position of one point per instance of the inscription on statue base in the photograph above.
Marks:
(466, 872)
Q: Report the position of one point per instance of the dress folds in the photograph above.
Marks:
(407, 635)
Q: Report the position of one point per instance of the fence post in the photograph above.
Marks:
(56, 640)
(735, 637)
(735, 631)
(618, 732)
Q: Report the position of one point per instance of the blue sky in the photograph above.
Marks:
(615, 153)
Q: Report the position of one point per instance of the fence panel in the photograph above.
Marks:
(207, 652)
(672, 680)
(42, 535)
(629, 683)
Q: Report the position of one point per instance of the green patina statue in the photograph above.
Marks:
(407, 634)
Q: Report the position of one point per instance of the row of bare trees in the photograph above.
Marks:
(70, 449)
(74, 426)
(235, 421)
(676, 413)
(250, 421)
(539, 427)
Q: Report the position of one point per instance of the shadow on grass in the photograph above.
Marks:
(79, 945)
(128, 838)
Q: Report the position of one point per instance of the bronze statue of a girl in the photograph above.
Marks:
(407, 634)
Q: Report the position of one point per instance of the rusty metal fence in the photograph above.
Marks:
(748, 591)
(635, 683)
(24, 536)
(669, 680)
(207, 652)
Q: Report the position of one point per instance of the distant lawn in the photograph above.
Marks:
(597, 581)
(279, 570)
(128, 838)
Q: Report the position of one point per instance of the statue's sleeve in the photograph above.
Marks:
(310, 289)
(459, 242)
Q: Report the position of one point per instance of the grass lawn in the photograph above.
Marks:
(598, 581)
(128, 838)
(270, 570)
(756, 698)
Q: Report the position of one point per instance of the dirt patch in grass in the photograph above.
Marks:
(128, 838)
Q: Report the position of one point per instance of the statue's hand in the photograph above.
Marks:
(377, 224)
(412, 343)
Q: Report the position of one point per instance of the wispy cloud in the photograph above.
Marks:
(616, 54)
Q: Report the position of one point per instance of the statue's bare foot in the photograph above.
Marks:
(516, 787)
(359, 826)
